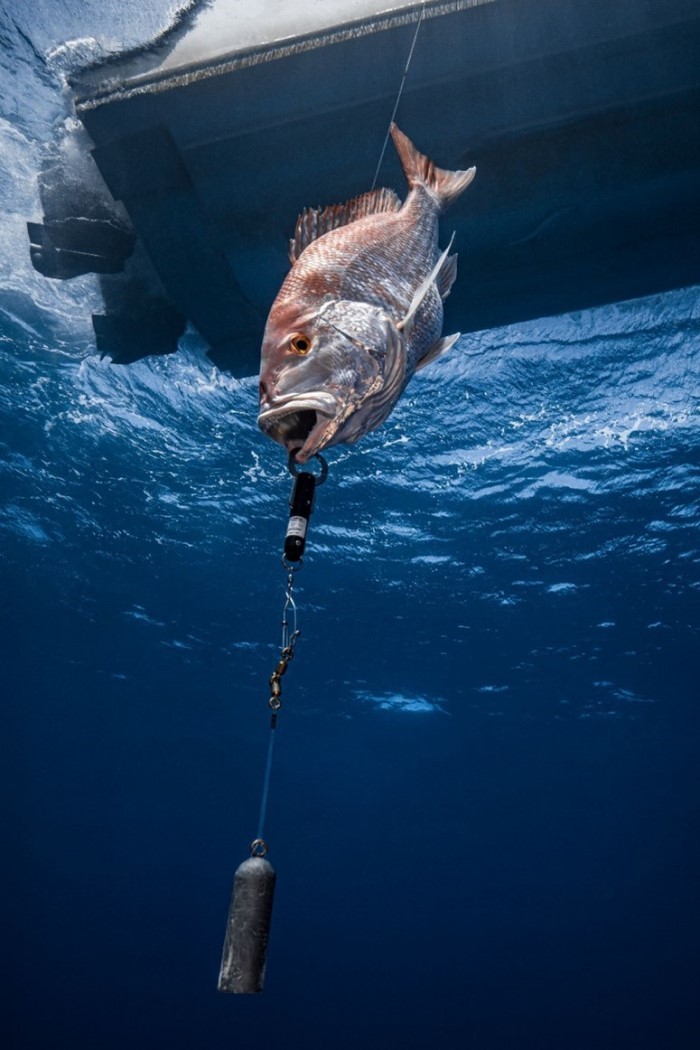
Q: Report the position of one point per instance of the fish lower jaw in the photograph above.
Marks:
(300, 425)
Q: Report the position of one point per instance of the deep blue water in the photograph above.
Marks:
(485, 805)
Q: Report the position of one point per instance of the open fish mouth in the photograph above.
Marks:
(302, 423)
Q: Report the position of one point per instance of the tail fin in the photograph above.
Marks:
(419, 170)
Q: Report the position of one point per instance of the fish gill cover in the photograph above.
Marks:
(485, 804)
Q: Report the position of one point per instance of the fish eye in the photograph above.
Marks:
(299, 344)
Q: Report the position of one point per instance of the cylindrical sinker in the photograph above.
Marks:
(248, 928)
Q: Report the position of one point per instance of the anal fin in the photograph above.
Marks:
(440, 347)
(447, 276)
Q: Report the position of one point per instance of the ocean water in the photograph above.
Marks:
(484, 806)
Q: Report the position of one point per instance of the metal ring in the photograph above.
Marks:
(293, 468)
(258, 848)
(274, 703)
(292, 566)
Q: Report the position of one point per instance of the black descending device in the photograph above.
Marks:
(301, 504)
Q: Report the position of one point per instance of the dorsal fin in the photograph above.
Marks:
(314, 222)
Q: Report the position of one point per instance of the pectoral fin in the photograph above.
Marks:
(441, 347)
(405, 325)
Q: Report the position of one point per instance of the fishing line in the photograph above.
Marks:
(247, 927)
(398, 97)
(266, 787)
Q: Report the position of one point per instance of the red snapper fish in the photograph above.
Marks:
(360, 310)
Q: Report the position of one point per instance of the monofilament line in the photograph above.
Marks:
(398, 97)
(266, 786)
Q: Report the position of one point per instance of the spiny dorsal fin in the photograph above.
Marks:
(441, 347)
(314, 222)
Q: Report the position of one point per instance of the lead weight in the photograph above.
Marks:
(248, 928)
